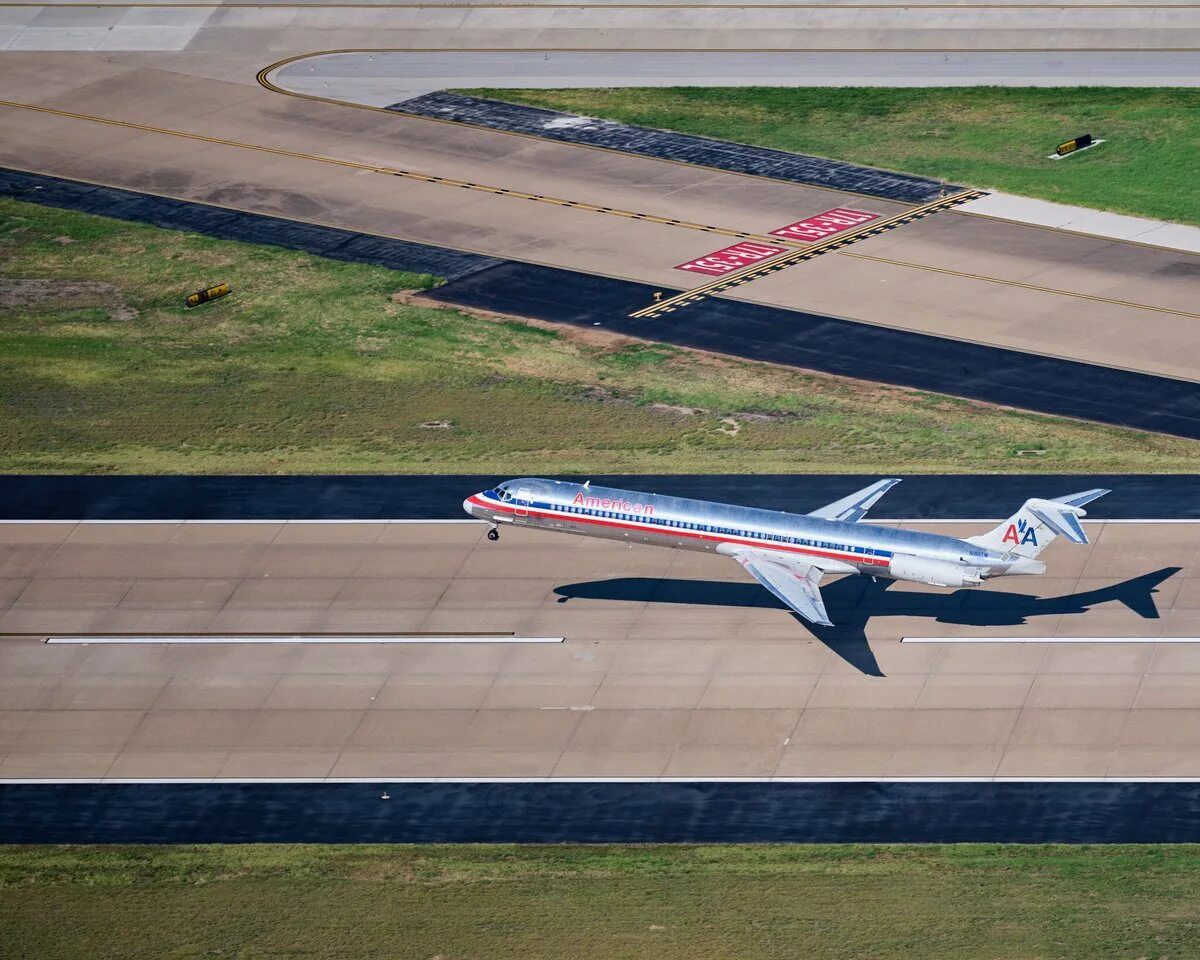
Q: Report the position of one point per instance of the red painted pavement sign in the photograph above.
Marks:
(732, 258)
(825, 224)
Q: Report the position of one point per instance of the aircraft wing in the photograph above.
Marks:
(854, 507)
(796, 583)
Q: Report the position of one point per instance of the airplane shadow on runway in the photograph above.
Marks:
(853, 601)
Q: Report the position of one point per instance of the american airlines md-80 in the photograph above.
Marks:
(789, 553)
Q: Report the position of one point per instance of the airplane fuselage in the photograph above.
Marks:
(686, 524)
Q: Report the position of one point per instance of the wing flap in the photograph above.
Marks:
(796, 584)
(854, 507)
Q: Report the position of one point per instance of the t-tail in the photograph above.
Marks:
(1032, 528)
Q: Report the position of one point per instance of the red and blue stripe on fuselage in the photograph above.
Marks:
(666, 531)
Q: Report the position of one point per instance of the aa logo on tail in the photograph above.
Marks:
(1019, 534)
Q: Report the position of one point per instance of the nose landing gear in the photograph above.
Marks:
(493, 534)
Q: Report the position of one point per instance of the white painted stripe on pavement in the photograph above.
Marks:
(1050, 639)
(85, 640)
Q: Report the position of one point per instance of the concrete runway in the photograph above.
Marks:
(673, 665)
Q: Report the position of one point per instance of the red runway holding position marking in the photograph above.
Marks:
(731, 258)
(825, 224)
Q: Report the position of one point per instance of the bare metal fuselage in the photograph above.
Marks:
(686, 524)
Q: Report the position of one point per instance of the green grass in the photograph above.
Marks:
(610, 902)
(318, 366)
(995, 137)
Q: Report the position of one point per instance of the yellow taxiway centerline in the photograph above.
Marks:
(410, 175)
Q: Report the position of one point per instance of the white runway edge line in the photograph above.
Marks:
(1050, 639)
(414, 781)
(300, 639)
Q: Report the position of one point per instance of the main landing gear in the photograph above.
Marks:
(493, 534)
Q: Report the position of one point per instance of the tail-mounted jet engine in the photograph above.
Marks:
(937, 573)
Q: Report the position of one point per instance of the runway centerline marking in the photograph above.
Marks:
(1023, 286)
(414, 638)
(407, 174)
(1050, 639)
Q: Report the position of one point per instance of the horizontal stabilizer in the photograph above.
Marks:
(854, 507)
(1063, 522)
(1082, 499)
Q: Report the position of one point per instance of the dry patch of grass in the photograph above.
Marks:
(319, 366)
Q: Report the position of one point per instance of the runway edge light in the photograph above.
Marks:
(209, 293)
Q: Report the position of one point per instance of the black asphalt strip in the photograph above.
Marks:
(605, 812)
(236, 225)
(439, 497)
(680, 147)
(843, 347)
(811, 341)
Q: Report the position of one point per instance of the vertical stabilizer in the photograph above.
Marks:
(1032, 528)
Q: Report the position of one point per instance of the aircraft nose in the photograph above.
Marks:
(469, 506)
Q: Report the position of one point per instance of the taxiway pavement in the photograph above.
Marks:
(193, 123)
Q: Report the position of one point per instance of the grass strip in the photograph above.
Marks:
(991, 137)
(319, 366)
(612, 902)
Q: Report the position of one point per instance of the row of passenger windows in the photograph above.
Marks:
(724, 531)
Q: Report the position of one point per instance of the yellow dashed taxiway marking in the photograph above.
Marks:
(798, 254)
(264, 78)
(410, 175)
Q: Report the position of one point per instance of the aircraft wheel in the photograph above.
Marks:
(493, 534)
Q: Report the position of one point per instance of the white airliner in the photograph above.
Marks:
(789, 553)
